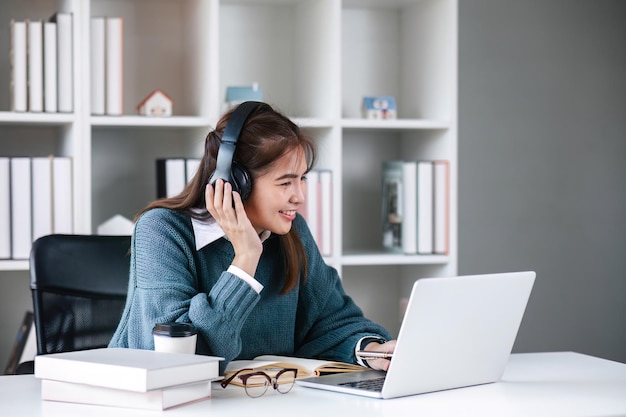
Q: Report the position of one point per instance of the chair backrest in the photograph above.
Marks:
(79, 285)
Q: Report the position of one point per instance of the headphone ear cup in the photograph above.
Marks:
(241, 180)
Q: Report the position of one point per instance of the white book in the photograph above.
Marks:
(424, 207)
(42, 196)
(312, 204)
(21, 208)
(171, 177)
(35, 65)
(114, 66)
(62, 195)
(97, 63)
(50, 67)
(326, 197)
(18, 67)
(126, 369)
(65, 62)
(192, 165)
(441, 210)
(158, 399)
(409, 220)
(5, 209)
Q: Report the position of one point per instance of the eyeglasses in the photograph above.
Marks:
(256, 382)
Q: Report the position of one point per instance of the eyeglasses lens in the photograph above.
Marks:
(285, 381)
(256, 385)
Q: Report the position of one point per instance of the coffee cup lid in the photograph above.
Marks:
(174, 329)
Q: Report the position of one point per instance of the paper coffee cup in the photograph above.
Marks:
(175, 338)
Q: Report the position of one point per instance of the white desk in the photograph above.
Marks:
(535, 384)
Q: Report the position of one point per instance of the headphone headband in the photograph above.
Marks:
(225, 166)
(237, 120)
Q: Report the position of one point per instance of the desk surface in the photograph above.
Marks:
(534, 384)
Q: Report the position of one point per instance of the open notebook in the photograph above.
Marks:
(306, 367)
(456, 332)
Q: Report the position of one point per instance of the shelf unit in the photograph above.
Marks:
(314, 59)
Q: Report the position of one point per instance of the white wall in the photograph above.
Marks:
(542, 151)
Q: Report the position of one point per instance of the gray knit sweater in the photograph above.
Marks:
(172, 281)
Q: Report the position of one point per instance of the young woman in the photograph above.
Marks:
(245, 272)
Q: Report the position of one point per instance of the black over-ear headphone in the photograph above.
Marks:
(225, 168)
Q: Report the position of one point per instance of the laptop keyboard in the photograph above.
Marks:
(375, 384)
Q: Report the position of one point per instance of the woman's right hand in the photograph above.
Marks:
(226, 207)
(387, 347)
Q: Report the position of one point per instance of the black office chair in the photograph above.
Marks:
(79, 285)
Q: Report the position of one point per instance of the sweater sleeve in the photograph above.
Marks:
(164, 287)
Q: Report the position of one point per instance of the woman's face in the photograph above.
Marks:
(278, 194)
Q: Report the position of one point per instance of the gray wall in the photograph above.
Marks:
(542, 151)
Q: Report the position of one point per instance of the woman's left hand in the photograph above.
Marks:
(220, 199)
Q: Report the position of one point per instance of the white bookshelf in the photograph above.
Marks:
(314, 60)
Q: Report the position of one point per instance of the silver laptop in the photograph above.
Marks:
(456, 332)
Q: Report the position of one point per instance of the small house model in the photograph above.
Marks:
(236, 95)
(156, 104)
(379, 107)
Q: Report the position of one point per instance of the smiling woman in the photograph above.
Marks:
(231, 255)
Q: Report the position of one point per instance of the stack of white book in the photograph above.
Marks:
(41, 56)
(131, 378)
(36, 199)
(416, 206)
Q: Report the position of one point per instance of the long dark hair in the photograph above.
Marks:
(266, 136)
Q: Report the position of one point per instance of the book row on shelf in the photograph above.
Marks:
(415, 211)
(173, 174)
(106, 65)
(35, 200)
(41, 57)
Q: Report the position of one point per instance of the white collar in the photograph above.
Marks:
(208, 231)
